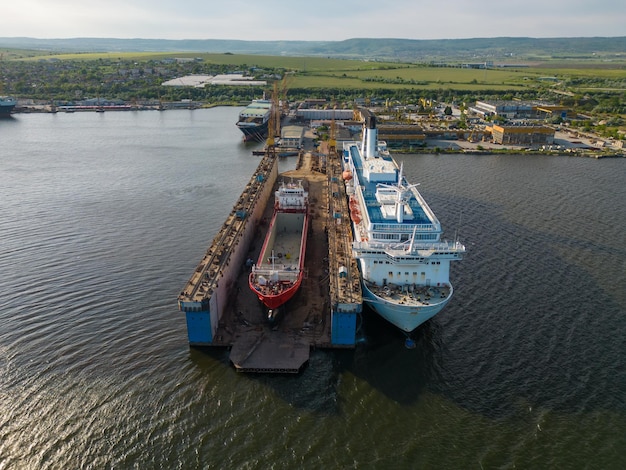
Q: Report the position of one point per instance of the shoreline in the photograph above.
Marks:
(448, 147)
(509, 151)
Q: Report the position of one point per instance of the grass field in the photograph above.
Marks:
(317, 72)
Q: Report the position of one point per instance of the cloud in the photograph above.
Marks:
(319, 20)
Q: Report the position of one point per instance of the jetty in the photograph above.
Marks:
(222, 311)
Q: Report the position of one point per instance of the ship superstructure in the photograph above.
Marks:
(405, 266)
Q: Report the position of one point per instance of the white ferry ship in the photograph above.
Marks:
(405, 266)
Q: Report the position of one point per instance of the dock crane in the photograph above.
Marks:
(332, 138)
(280, 107)
(273, 125)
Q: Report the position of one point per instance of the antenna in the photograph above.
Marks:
(412, 239)
(456, 232)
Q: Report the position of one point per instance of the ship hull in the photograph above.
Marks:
(254, 119)
(405, 317)
(253, 133)
(278, 274)
(6, 106)
(273, 302)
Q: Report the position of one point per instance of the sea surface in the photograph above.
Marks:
(104, 217)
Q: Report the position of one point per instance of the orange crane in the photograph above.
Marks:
(332, 139)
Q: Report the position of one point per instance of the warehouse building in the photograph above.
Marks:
(520, 110)
(398, 136)
(325, 114)
(531, 136)
(507, 109)
(291, 137)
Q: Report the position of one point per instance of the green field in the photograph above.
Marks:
(317, 72)
(308, 64)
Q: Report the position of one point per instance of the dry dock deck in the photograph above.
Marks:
(331, 279)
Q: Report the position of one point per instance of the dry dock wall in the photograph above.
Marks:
(205, 297)
(344, 275)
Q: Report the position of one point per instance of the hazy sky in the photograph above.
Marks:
(317, 20)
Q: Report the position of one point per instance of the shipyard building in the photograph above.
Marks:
(324, 114)
(522, 135)
(519, 110)
(291, 136)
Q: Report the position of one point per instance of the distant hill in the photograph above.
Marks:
(358, 48)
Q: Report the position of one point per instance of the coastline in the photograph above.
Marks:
(510, 151)
(563, 146)
(159, 106)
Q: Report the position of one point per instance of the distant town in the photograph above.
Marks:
(412, 116)
(484, 127)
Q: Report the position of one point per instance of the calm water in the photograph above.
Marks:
(103, 218)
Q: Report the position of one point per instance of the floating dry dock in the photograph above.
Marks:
(222, 311)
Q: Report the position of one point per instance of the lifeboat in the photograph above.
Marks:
(346, 175)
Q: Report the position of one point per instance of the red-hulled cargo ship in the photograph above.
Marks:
(278, 273)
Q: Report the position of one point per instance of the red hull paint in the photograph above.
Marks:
(275, 283)
(275, 301)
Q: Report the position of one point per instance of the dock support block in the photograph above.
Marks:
(199, 327)
(343, 328)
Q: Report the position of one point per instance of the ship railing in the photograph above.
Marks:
(422, 249)
(403, 228)
(425, 207)
(283, 270)
(403, 248)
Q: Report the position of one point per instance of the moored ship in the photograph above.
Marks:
(404, 264)
(278, 273)
(254, 120)
(6, 105)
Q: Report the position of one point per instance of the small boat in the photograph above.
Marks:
(7, 104)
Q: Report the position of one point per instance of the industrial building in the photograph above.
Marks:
(522, 135)
(324, 114)
(551, 111)
(402, 135)
(507, 109)
(200, 81)
(291, 136)
(519, 110)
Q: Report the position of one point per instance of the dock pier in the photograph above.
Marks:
(222, 311)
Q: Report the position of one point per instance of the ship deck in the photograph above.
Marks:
(369, 194)
(286, 247)
(411, 296)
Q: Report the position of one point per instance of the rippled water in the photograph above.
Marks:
(104, 216)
